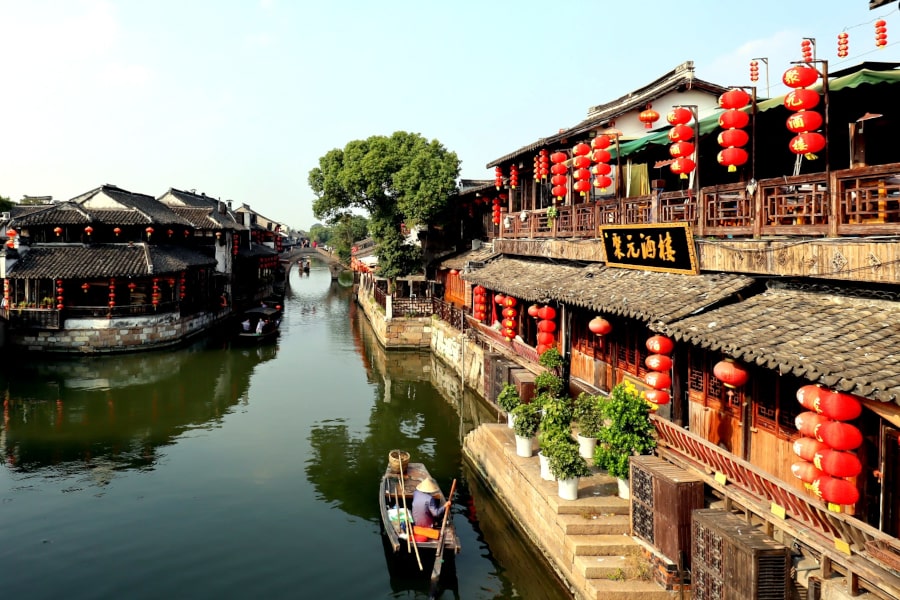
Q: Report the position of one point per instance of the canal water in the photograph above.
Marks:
(215, 471)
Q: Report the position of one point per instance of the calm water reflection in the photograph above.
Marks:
(224, 472)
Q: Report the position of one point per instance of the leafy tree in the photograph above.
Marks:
(6, 204)
(348, 230)
(399, 180)
(319, 233)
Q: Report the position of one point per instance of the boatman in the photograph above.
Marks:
(426, 508)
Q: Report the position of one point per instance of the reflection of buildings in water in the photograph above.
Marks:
(103, 414)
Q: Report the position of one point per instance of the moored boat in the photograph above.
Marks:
(395, 500)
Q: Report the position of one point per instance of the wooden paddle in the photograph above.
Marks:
(439, 555)
(409, 529)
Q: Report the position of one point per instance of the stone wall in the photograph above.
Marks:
(452, 347)
(90, 336)
(396, 334)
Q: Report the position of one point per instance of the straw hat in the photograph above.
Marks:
(428, 486)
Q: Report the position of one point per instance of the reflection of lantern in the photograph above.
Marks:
(660, 344)
(599, 326)
(731, 374)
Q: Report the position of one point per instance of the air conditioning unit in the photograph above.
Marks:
(731, 559)
(497, 374)
(663, 497)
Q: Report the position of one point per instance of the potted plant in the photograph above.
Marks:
(526, 420)
(567, 465)
(556, 425)
(628, 431)
(508, 399)
(588, 413)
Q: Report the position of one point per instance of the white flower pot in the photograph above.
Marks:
(545, 467)
(510, 419)
(524, 446)
(624, 489)
(568, 488)
(586, 446)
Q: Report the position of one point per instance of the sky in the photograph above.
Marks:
(238, 99)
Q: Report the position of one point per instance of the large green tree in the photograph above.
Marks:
(399, 180)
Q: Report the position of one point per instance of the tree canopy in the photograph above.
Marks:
(399, 180)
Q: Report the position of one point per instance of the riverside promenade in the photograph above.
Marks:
(587, 541)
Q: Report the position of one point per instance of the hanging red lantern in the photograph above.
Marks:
(733, 119)
(806, 50)
(479, 290)
(808, 423)
(837, 463)
(600, 326)
(733, 137)
(807, 144)
(149, 231)
(658, 380)
(546, 326)
(89, 230)
(58, 230)
(582, 186)
(600, 142)
(681, 149)
(513, 176)
(132, 286)
(509, 323)
(648, 117)
(839, 435)
(85, 287)
(679, 116)
(559, 157)
(545, 338)
(734, 98)
(807, 447)
(658, 362)
(533, 310)
(559, 191)
(660, 344)
(801, 99)
(658, 397)
(498, 298)
(117, 230)
(754, 70)
(731, 374)
(581, 149)
(682, 165)
(732, 158)
(498, 177)
(601, 182)
(843, 44)
(559, 180)
(601, 156)
(836, 491)
(581, 161)
(804, 120)
(800, 76)
(509, 313)
(805, 471)
(548, 313)
(681, 133)
(601, 169)
(880, 33)
(541, 348)
(834, 405)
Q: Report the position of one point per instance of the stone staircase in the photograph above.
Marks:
(587, 540)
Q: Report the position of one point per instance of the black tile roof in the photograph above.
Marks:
(103, 260)
(201, 210)
(131, 208)
(459, 261)
(648, 296)
(843, 342)
(64, 213)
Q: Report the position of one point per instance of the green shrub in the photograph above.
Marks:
(526, 420)
(628, 430)
(509, 398)
(564, 459)
(588, 413)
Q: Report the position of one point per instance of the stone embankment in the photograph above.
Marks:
(587, 541)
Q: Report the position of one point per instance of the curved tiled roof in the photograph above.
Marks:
(103, 260)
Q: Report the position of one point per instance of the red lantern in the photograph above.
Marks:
(807, 144)
(658, 380)
(601, 156)
(117, 230)
(601, 169)
(545, 338)
(89, 230)
(660, 344)
(498, 177)
(880, 33)
(479, 290)
(658, 397)
(734, 98)
(509, 301)
(843, 46)
(658, 362)
(804, 120)
(559, 157)
(806, 50)
(509, 333)
(679, 116)
(733, 119)
(559, 191)
(582, 187)
(836, 491)
(648, 117)
(837, 463)
(805, 471)
(681, 149)
(581, 149)
(800, 76)
(509, 313)
(546, 326)
(808, 423)
(807, 447)
(600, 326)
(85, 286)
(600, 142)
(733, 137)
(602, 182)
(801, 99)
(681, 133)
(834, 405)
(58, 230)
(533, 310)
(730, 373)
(548, 313)
(682, 166)
(149, 231)
(839, 435)
(499, 298)
(732, 158)
(754, 70)
(541, 348)
(581, 162)
(509, 323)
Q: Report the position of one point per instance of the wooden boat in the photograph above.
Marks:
(259, 325)
(392, 511)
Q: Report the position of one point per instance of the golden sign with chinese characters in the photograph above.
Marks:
(665, 247)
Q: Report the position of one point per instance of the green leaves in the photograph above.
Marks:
(628, 430)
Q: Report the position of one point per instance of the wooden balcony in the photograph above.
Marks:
(852, 202)
(868, 558)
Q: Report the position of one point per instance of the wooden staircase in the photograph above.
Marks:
(587, 541)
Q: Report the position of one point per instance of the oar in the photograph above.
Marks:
(439, 556)
(409, 529)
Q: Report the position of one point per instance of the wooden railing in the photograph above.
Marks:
(865, 201)
(869, 555)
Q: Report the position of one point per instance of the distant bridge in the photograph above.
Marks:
(333, 262)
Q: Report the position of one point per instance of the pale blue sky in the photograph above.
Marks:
(240, 98)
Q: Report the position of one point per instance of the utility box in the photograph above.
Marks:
(523, 379)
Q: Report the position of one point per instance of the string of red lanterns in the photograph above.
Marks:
(496, 211)
(479, 303)
(581, 161)
(804, 121)
(880, 33)
(509, 313)
(681, 135)
(544, 161)
(843, 44)
(733, 120)
(658, 377)
(754, 71)
(60, 298)
(498, 177)
(601, 157)
(546, 325)
(513, 176)
(559, 171)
